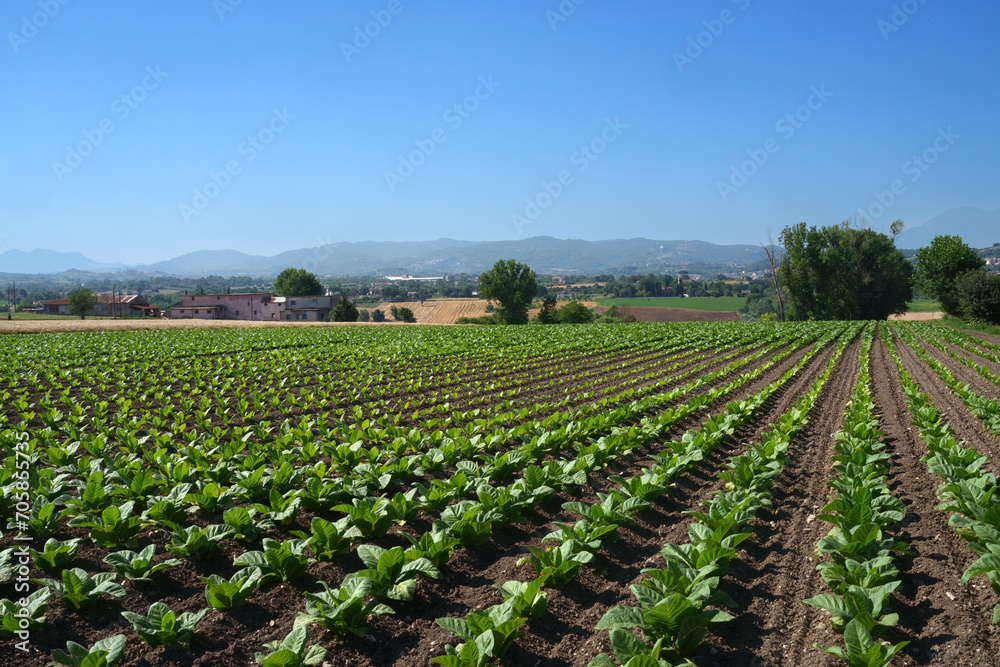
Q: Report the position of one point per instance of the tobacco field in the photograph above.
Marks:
(642, 495)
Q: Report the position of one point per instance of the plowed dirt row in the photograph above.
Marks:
(966, 426)
(947, 623)
(776, 571)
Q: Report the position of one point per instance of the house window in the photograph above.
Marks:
(237, 313)
(196, 312)
(291, 303)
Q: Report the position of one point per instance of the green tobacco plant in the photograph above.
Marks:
(42, 520)
(80, 589)
(328, 540)
(211, 498)
(586, 536)
(114, 526)
(138, 566)
(196, 541)
(862, 604)
(558, 565)
(56, 553)
(370, 517)
(245, 524)
(282, 509)
(32, 613)
(291, 651)
(435, 547)
(392, 577)
(222, 594)
(342, 610)
(529, 599)
(488, 635)
(861, 649)
(161, 626)
(279, 561)
(105, 653)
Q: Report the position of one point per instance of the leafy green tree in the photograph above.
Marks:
(297, 282)
(378, 316)
(81, 301)
(842, 272)
(364, 315)
(978, 295)
(547, 315)
(939, 267)
(345, 311)
(575, 312)
(512, 285)
(406, 315)
(394, 311)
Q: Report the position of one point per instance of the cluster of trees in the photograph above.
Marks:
(345, 311)
(847, 272)
(955, 275)
(844, 272)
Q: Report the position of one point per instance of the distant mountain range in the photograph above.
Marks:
(978, 228)
(544, 254)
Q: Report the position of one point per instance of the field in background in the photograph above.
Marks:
(708, 303)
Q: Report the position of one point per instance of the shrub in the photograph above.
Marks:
(979, 296)
(378, 316)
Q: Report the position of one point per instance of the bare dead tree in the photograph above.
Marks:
(774, 259)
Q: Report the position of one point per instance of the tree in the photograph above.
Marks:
(297, 282)
(394, 311)
(844, 273)
(406, 315)
(978, 295)
(939, 267)
(774, 260)
(378, 316)
(345, 311)
(512, 285)
(575, 312)
(364, 315)
(81, 302)
(548, 315)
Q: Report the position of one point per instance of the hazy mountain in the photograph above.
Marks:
(49, 261)
(209, 263)
(978, 228)
(544, 254)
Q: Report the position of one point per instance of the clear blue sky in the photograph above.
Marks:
(188, 87)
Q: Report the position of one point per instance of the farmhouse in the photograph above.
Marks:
(127, 305)
(254, 306)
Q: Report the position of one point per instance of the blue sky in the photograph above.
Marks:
(137, 131)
